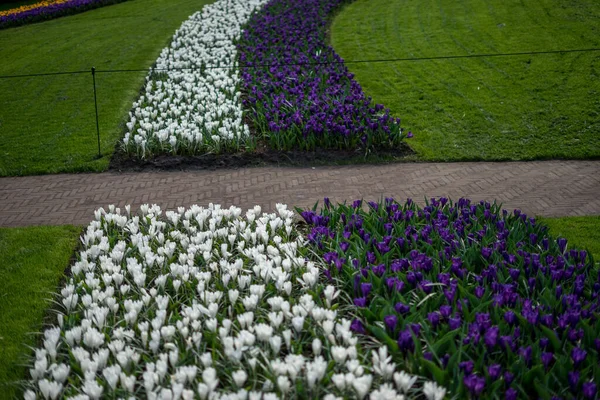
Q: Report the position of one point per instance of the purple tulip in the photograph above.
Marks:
(394, 284)
(474, 384)
(483, 321)
(532, 316)
(562, 244)
(486, 252)
(445, 360)
(495, 370)
(545, 243)
(578, 356)
(558, 291)
(415, 328)
(371, 257)
(526, 353)
(358, 327)
(508, 377)
(339, 263)
(589, 390)
(382, 248)
(490, 338)
(514, 273)
(445, 311)
(547, 359)
(405, 341)
(434, 318)
(466, 366)
(330, 257)
(479, 291)
(573, 377)
(402, 308)
(378, 270)
(510, 317)
(360, 302)
(510, 394)
(390, 322)
(454, 323)
(366, 288)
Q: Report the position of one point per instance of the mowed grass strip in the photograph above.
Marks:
(47, 124)
(581, 232)
(32, 262)
(496, 108)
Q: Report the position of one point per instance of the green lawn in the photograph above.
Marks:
(500, 108)
(581, 232)
(32, 261)
(47, 124)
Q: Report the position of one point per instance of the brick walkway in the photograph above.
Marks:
(549, 188)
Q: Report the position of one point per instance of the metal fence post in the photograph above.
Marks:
(96, 105)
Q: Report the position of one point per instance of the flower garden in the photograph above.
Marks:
(388, 302)
(48, 9)
(269, 61)
(378, 300)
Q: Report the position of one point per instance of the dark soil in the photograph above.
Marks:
(263, 156)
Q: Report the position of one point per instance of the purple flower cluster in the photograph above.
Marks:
(481, 299)
(51, 11)
(298, 90)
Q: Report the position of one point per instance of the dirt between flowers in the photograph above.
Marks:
(262, 156)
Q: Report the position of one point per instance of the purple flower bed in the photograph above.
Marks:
(305, 98)
(52, 11)
(481, 300)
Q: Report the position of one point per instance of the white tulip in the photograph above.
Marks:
(433, 392)
(239, 377)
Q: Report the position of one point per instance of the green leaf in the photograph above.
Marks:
(554, 341)
(369, 315)
(536, 372)
(438, 374)
(440, 346)
(541, 389)
(380, 334)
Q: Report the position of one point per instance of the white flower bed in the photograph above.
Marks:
(205, 303)
(187, 111)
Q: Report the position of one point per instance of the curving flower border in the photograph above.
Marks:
(46, 10)
(192, 103)
(299, 92)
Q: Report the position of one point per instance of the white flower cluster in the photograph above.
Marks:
(205, 303)
(193, 107)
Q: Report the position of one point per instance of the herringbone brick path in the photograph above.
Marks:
(549, 188)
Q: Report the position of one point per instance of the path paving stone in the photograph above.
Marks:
(549, 188)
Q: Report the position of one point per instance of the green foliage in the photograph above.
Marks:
(47, 124)
(493, 108)
(32, 261)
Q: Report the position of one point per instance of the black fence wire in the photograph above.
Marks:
(382, 60)
(93, 71)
